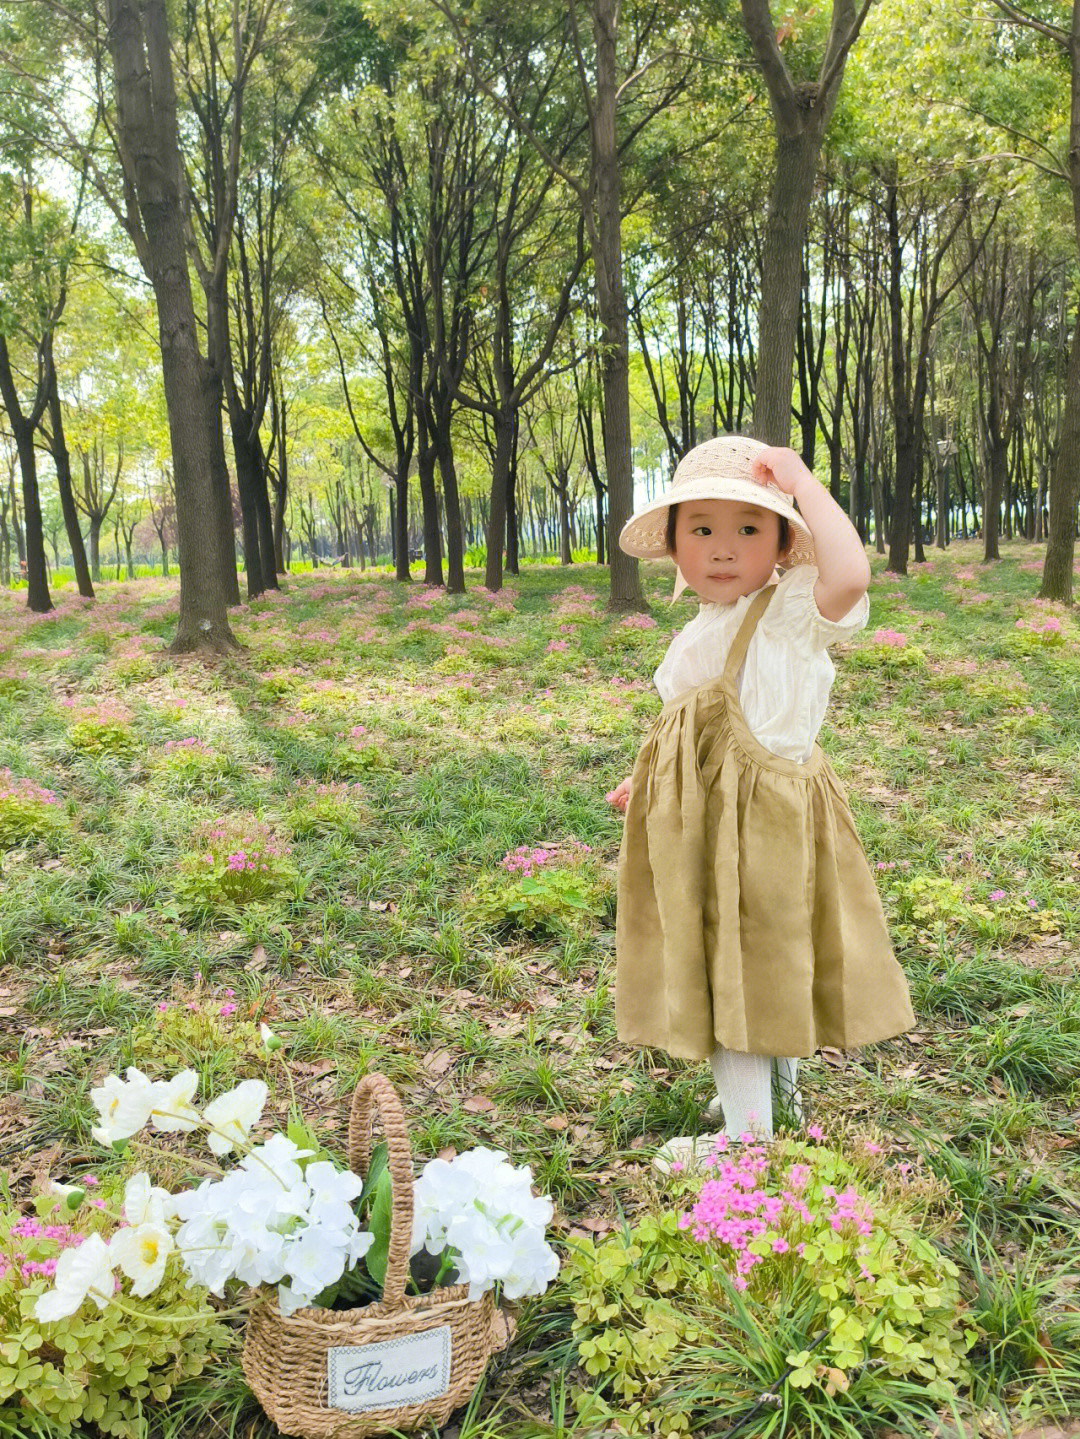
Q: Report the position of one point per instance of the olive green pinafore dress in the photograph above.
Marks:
(747, 913)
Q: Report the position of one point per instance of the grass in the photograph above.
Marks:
(401, 743)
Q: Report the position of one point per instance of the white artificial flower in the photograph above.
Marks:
(359, 1245)
(141, 1252)
(123, 1106)
(172, 1108)
(81, 1272)
(533, 1265)
(483, 1209)
(277, 1157)
(333, 1191)
(144, 1203)
(315, 1259)
(63, 1190)
(206, 1257)
(289, 1301)
(257, 1254)
(234, 1115)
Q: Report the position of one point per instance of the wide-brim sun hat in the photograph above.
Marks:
(718, 469)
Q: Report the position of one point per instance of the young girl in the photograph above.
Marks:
(749, 931)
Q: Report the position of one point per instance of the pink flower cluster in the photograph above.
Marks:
(1051, 626)
(30, 1228)
(191, 743)
(24, 789)
(733, 1208)
(555, 647)
(426, 598)
(851, 1208)
(241, 859)
(890, 638)
(638, 622)
(525, 858)
(576, 600)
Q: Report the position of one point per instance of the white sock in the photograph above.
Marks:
(744, 1084)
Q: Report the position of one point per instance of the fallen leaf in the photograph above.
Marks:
(557, 1121)
(448, 1152)
(257, 960)
(438, 1061)
(478, 1104)
(404, 973)
(598, 1225)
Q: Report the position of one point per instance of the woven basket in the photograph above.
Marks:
(286, 1361)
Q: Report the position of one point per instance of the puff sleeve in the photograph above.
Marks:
(794, 611)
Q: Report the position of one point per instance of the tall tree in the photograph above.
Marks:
(801, 112)
(1057, 579)
(154, 214)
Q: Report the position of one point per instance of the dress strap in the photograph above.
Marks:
(739, 645)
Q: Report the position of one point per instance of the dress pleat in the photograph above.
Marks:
(747, 913)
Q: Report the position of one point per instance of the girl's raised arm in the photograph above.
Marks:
(843, 569)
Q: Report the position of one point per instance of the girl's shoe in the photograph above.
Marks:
(691, 1151)
(688, 1151)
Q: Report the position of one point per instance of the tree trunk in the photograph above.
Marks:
(38, 598)
(625, 592)
(455, 558)
(496, 527)
(795, 170)
(425, 463)
(1057, 576)
(146, 115)
(62, 462)
(245, 484)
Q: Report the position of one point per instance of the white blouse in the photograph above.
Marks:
(786, 677)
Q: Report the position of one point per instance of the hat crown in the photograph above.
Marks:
(727, 457)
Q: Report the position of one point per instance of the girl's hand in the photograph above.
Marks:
(783, 467)
(620, 795)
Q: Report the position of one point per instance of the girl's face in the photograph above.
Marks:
(725, 548)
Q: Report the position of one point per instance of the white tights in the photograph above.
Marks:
(744, 1085)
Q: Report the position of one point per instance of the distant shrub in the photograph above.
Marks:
(27, 810)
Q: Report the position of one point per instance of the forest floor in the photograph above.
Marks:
(406, 759)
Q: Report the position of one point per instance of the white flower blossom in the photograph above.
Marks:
(141, 1253)
(234, 1115)
(123, 1106)
(144, 1203)
(484, 1210)
(86, 1271)
(172, 1108)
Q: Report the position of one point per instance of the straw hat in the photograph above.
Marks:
(719, 469)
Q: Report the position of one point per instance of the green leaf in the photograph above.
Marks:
(379, 1224)
(376, 1166)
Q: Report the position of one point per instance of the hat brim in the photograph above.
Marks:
(645, 534)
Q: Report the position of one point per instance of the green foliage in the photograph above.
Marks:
(232, 864)
(889, 659)
(552, 901)
(99, 1367)
(101, 737)
(26, 811)
(886, 1302)
(925, 901)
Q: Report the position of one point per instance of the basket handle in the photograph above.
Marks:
(375, 1092)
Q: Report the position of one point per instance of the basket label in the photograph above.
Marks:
(390, 1374)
